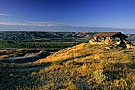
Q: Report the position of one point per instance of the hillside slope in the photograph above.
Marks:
(81, 67)
(86, 66)
(86, 52)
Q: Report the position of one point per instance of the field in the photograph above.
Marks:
(69, 63)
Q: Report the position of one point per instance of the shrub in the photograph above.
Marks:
(99, 76)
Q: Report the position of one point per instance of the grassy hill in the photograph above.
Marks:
(86, 66)
(81, 67)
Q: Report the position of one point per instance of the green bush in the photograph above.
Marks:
(99, 76)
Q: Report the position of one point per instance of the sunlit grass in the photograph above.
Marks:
(90, 67)
(85, 66)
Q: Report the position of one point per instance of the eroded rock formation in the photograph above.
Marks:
(116, 38)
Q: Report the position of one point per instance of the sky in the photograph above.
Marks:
(80, 13)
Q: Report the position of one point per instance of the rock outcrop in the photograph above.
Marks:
(115, 38)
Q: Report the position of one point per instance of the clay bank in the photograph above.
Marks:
(115, 38)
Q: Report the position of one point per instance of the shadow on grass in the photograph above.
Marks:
(130, 65)
(120, 70)
(19, 76)
(112, 75)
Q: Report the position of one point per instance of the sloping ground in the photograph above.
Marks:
(82, 67)
(80, 50)
(85, 51)
(88, 66)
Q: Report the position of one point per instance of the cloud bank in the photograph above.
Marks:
(36, 24)
(58, 27)
(47, 24)
(3, 14)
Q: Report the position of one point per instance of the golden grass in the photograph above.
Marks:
(65, 54)
(88, 67)
(81, 50)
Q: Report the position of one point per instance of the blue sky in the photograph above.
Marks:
(84, 13)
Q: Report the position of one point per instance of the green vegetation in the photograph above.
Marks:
(48, 45)
(42, 40)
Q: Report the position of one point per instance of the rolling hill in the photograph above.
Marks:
(86, 66)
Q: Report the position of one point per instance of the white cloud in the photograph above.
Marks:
(41, 24)
(3, 14)
(36, 24)
(47, 24)
(5, 23)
